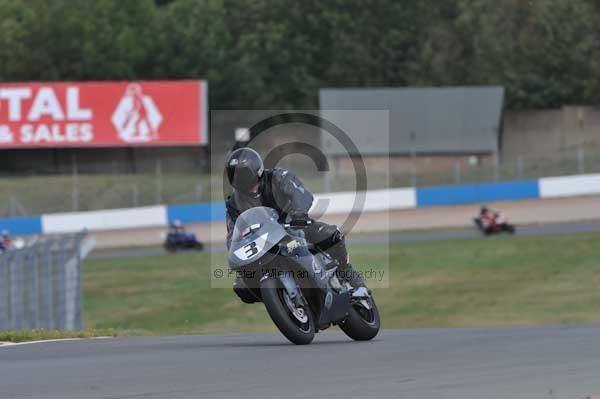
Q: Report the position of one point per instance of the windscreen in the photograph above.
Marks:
(253, 219)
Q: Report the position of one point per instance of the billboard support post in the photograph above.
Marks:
(75, 189)
(158, 181)
(496, 168)
(520, 167)
(457, 172)
(135, 195)
(581, 160)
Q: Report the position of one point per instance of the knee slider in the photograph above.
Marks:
(335, 238)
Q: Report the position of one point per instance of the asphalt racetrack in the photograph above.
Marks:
(541, 362)
(544, 363)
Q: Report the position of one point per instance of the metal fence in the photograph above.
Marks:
(40, 285)
(21, 195)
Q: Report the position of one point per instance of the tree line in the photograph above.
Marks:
(278, 53)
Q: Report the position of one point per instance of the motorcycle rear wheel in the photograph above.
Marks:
(170, 248)
(291, 325)
(362, 324)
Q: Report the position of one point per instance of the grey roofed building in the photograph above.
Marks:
(452, 120)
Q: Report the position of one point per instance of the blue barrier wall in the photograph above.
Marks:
(22, 225)
(198, 213)
(426, 196)
(477, 193)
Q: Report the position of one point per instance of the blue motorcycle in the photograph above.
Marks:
(181, 240)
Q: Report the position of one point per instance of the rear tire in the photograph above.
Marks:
(299, 333)
(360, 324)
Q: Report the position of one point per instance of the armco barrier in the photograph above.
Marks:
(569, 186)
(472, 193)
(377, 200)
(114, 219)
(22, 225)
(196, 213)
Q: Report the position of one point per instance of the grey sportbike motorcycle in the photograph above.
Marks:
(296, 282)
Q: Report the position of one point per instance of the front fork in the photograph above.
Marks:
(291, 288)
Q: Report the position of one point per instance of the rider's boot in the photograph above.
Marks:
(345, 271)
(351, 276)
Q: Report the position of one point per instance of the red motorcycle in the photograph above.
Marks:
(496, 224)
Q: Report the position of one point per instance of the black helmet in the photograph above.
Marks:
(244, 169)
(483, 209)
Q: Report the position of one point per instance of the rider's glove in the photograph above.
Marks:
(300, 220)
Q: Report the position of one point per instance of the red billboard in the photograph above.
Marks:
(103, 114)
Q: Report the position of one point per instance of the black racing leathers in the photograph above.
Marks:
(279, 189)
(283, 191)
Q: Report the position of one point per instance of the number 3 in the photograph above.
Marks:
(251, 249)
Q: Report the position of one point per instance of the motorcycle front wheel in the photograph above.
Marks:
(297, 323)
(362, 322)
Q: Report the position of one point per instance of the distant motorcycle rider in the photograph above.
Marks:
(254, 186)
(488, 217)
(177, 227)
(6, 242)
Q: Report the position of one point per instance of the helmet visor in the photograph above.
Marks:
(244, 179)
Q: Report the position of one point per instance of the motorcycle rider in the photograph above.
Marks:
(254, 186)
(488, 217)
(5, 241)
(177, 227)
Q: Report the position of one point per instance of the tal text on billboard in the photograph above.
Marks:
(103, 114)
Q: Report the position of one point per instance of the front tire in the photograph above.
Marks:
(362, 324)
(293, 327)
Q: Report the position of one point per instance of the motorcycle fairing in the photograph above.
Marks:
(256, 232)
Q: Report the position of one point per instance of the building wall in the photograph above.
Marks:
(548, 132)
(537, 133)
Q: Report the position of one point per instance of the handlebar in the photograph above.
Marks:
(290, 225)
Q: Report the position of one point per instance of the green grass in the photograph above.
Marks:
(503, 281)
